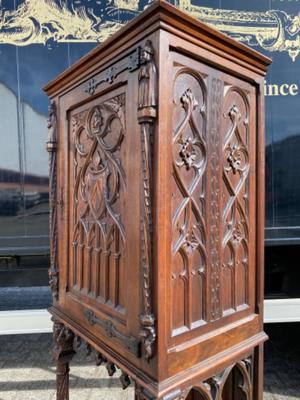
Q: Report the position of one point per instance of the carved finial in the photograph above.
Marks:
(234, 113)
(188, 100)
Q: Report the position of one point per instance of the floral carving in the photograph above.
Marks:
(188, 153)
(191, 242)
(235, 191)
(189, 164)
(235, 158)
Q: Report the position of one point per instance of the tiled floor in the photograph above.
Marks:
(27, 372)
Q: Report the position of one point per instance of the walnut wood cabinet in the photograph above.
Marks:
(156, 142)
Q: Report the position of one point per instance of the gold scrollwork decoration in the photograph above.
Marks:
(41, 21)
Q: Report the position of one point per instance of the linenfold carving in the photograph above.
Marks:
(52, 148)
(147, 103)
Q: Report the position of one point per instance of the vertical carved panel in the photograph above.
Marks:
(98, 201)
(189, 264)
(215, 190)
(52, 149)
(235, 198)
(147, 104)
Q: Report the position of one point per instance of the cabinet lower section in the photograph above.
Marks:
(238, 377)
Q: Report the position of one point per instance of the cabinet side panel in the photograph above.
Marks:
(213, 192)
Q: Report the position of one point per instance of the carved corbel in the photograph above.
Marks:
(147, 111)
(52, 149)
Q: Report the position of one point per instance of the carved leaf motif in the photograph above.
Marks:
(189, 164)
(235, 196)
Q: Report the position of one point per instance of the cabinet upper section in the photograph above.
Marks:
(162, 16)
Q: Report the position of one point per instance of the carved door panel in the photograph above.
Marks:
(212, 271)
(98, 284)
(97, 204)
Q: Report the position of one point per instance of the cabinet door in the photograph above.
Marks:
(101, 216)
(213, 201)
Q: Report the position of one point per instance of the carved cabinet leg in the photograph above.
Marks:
(63, 352)
(142, 394)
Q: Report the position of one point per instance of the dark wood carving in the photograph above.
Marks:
(99, 184)
(189, 269)
(52, 149)
(215, 206)
(237, 377)
(235, 199)
(63, 352)
(131, 343)
(147, 103)
(157, 212)
(111, 73)
(241, 374)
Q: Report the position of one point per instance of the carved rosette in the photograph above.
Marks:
(147, 105)
(52, 149)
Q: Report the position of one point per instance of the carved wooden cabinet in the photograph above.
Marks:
(156, 142)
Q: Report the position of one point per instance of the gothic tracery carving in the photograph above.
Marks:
(99, 183)
(189, 164)
(236, 197)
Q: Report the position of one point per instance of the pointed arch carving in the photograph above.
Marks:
(99, 183)
(235, 197)
(189, 234)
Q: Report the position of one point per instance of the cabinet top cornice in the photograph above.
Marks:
(164, 16)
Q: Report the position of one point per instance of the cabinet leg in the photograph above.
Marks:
(62, 381)
(62, 352)
(142, 394)
(258, 388)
